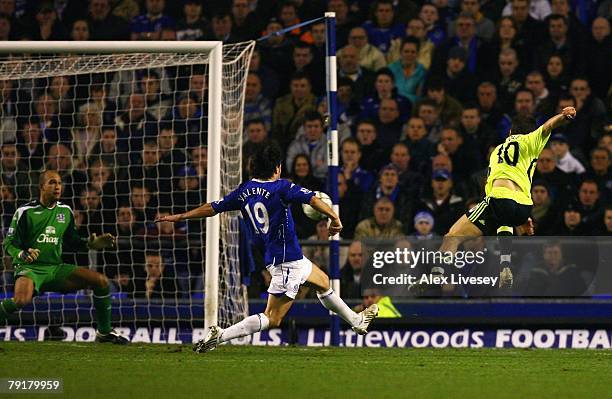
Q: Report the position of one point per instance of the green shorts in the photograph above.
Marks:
(46, 277)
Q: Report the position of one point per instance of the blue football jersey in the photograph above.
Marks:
(265, 208)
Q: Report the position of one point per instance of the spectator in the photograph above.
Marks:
(529, 28)
(555, 277)
(350, 205)
(372, 153)
(90, 203)
(106, 150)
(559, 182)
(221, 28)
(290, 109)
(62, 92)
(421, 149)
(389, 124)
(348, 63)
(555, 75)
(484, 26)
(142, 202)
(386, 309)
(607, 228)
(188, 121)
(319, 40)
(477, 135)
(572, 222)
(382, 29)
(14, 173)
(86, 134)
(193, 26)
(509, 76)
(170, 147)
(450, 108)
(302, 173)
(8, 111)
(47, 24)
(350, 276)
(415, 28)
(388, 186)
(576, 29)
(30, 145)
(445, 206)
(465, 38)
(590, 205)
(80, 30)
(409, 74)
(111, 190)
(198, 157)
(543, 99)
(288, 16)
(463, 156)
(131, 124)
(600, 171)
(565, 160)
(257, 137)
(187, 192)
(423, 226)
(538, 9)
(157, 282)
(600, 63)
(428, 110)
(490, 110)
(524, 105)
(505, 37)
(276, 51)
(148, 26)
(157, 177)
(246, 25)
(544, 213)
(157, 104)
(370, 57)
(53, 125)
(256, 105)
(590, 110)
(7, 31)
(458, 81)
(303, 57)
(562, 45)
(312, 143)
(344, 20)
(382, 225)
(435, 32)
(409, 181)
(104, 25)
(385, 89)
(351, 156)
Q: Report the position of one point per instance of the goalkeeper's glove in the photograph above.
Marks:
(29, 256)
(100, 242)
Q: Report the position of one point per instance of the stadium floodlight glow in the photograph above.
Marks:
(119, 67)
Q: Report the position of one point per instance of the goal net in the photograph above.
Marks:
(130, 135)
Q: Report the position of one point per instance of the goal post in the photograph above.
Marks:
(220, 113)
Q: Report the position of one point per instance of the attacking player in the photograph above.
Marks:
(507, 203)
(35, 238)
(264, 202)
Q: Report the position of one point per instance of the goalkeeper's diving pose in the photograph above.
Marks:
(507, 203)
(35, 238)
(264, 202)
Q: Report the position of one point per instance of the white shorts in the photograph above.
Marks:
(287, 277)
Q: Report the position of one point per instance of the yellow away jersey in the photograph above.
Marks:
(515, 159)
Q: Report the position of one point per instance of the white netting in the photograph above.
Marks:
(128, 133)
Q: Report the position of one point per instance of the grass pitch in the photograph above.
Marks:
(242, 372)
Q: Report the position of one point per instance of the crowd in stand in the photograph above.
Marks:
(425, 91)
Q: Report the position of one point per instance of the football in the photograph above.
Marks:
(313, 213)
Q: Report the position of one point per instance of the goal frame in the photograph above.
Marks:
(215, 68)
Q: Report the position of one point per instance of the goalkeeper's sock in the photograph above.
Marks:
(333, 302)
(102, 303)
(7, 307)
(250, 325)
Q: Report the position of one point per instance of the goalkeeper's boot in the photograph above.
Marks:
(113, 337)
(367, 315)
(505, 278)
(210, 342)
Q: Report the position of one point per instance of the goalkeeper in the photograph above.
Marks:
(35, 238)
(507, 203)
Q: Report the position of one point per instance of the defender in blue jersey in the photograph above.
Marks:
(264, 202)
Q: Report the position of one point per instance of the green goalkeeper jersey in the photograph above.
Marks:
(515, 159)
(46, 229)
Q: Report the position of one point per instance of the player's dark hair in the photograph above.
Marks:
(263, 164)
(522, 124)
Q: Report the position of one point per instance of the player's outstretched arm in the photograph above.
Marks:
(335, 226)
(566, 115)
(203, 211)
